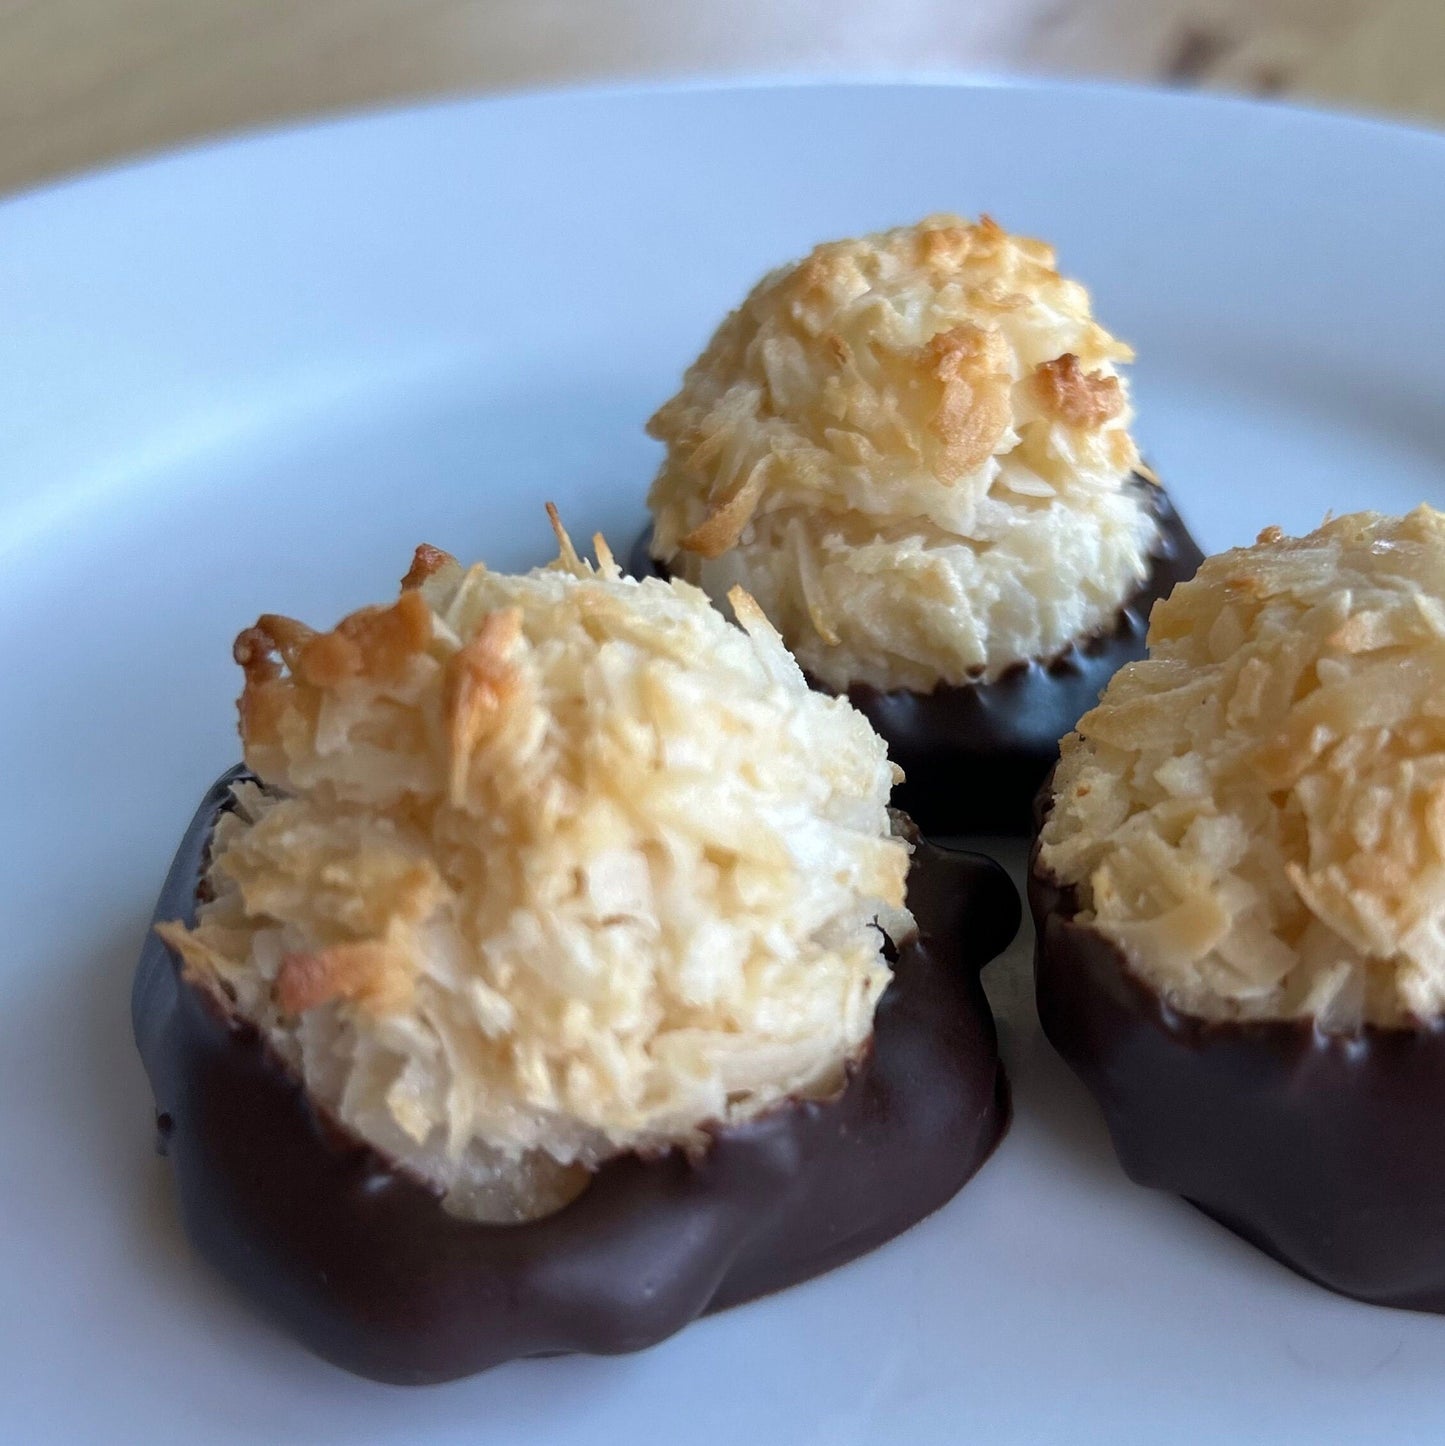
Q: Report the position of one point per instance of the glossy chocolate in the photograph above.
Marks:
(975, 754)
(1323, 1150)
(359, 1261)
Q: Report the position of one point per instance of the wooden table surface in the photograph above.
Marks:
(85, 81)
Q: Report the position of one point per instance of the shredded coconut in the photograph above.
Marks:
(913, 450)
(1256, 814)
(548, 868)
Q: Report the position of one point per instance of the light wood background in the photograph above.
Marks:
(86, 81)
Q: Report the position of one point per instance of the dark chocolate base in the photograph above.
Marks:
(359, 1261)
(975, 754)
(1323, 1150)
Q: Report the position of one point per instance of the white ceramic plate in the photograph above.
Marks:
(252, 376)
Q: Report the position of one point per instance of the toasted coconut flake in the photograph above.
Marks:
(1077, 397)
(370, 974)
(482, 680)
(913, 450)
(974, 410)
(549, 868)
(726, 518)
(1257, 812)
(426, 562)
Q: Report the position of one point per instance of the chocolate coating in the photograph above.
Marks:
(1323, 1150)
(975, 754)
(358, 1259)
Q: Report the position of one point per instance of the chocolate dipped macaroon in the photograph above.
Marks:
(913, 449)
(1239, 892)
(556, 972)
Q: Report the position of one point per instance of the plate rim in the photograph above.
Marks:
(282, 131)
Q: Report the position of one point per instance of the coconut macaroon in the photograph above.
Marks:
(1239, 903)
(546, 869)
(1256, 815)
(913, 449)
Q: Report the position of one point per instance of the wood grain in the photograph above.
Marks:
(87, 81)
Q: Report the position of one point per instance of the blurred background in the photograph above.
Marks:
(86, 81)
